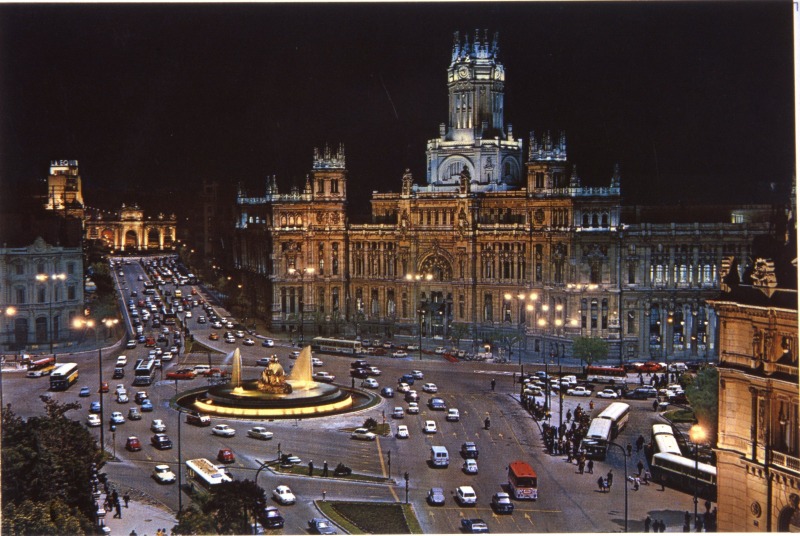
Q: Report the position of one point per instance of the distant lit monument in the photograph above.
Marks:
(273, 394)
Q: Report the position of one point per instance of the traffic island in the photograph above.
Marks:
(371, 517)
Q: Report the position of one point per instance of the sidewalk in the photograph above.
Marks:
(143, 516)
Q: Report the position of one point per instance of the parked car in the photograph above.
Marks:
(402, 432)
(466, 495)
(452, 415)
(161, 441)
(225, 455)
(363, 433)
(259, 432)
(223, 430)
(283, 495)
(319, 525)
(579, 391)
(501, 503)
(436, 496)
(163, 474)
(133, 444)
(474, 526)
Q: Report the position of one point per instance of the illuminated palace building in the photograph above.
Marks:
(498, 242)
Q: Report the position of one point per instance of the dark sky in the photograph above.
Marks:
(694, 100)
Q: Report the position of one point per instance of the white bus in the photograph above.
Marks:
(336, 346)
(664, 440)
(679, 472)
(618, 413)
(63, 376)
(201, 471)
(595, 443)
(145, 372)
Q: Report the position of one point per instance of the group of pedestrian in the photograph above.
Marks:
(605, 483)
(324, 468)
(658, 525)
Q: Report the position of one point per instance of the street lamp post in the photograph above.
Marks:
(625, 482)
(697, 435)
(421, 314)
(9, 312)
(52, 277)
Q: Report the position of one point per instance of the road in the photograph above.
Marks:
(568, 501)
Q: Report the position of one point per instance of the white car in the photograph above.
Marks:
(375, 371)
(430, 427)
(322, 376)
(579, 391)
(417, 374)
(163, 474)
(117, 418)
(607, 393)
(430, 388)
(93, 420)
(370, 383)
(223, 430)
(122, 397)
(439, 350)
(259, 432)
(399, 353)
(158, 426)
(413, 408)
(269, 343)
(363, 433)
(402, 432)
(471, 467)
(295, 354)
(452, 415)
(188, 314)
(216, 325)
(316, 362)
(403, 387)
(284, 495)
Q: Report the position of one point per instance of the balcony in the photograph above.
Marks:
(785, 461)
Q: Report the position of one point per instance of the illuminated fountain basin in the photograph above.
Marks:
(273, 396)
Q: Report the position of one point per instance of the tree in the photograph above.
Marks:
(509, 341)
(194, 521)
(702, 392)
(234, 505)
(589, 349)
(458, 331)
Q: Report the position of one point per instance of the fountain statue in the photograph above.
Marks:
(273, 379)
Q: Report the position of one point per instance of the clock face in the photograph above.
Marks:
(463, 72)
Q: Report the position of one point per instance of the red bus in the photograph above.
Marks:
(606, 374)
(44, 364)
(522, 480)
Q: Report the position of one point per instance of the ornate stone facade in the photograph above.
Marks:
(490, 246)
(130, 230)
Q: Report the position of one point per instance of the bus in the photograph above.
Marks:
(46, 364)
(618, 413)
(595, 443)
(202, 472)
(606, 374)
(63, 376)
(145, 371)
(168, 315)
(664, 440)
(522, 480)
(679, 472)
(336, 346)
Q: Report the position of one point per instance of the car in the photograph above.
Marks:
(413, 408)
(198, 419)
(316, 362)
(650, 366)
(271, 518)
(134, 414)
(181, 374)
(474, 525)
(130, 344)
(249, 342)
(501, 503)
(429, 427)
(140, 395)
(412, 347)
(122, 397)
(402, 432)
(35, 374)
(322, 376)
(263, 361)
(375, 371)
(216, 325)
(201, 319)
(437, 404)
(259, 432)
(117, 418)
(466, 495)
(635, 394)
(363, 433)
(284, 495)
(188, 314)
(93, 420)
(294, 354)
(119, 372)
(398, 412)
(223, 430)
(452, 415)
(214, 372)
(238, 333)
(104, 387)
(122, 361)
(319, 525)
(161, 441)
(439, 350)
(417, 374)
(469, 450)
(470, 466)
(607, 393)
(133, 444)
(267, 343)
(230, 340)
(370, 383)
(406, 378)
(84, 392)
(225, 455)
(430, 388)
(399, 354)
(147, 405)
(359, 373)
(163, 474)
(436, 496)
(158, 426)
(403, 387)
(213, 336)
(387, 392)
(579, 391)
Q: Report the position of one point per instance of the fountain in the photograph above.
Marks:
(273, 394)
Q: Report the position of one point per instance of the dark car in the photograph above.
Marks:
(161, 441)
(119, 372)
(359, 363)
(501, 502)
(406, 378)
(436, 496)
(635, 394)
(198, 419)
(320, 525)
(360, 373)
(474, 526)
(437, 403)
(387, 392)
(271, 518)
(469, 450)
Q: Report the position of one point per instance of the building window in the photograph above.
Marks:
(40, 268)
(70, 268)
(71, 292)
(320, 186)
(584, 308)
(20, 296)
(335, 299)
(374, 305)
(321, 257)
(604, 316)
(40, 295)
(19, 269)
(487, 307)
(631, 274)
(631, 323)
(594, 275)
(321, 300)
(334, 186)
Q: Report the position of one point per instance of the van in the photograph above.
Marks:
(122, 361)
(202, 369)
(439, 457)
(466, 495)
(571, 380)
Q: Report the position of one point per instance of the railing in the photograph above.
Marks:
(784, 460)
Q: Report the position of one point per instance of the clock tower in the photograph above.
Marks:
(475, 135)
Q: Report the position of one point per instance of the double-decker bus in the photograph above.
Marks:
(204, 473)
(618, 413)
(336, 346)
(145, 371)
(522, 480)
(46, 364)
(595, 443)
(606, 374)
(63, 376)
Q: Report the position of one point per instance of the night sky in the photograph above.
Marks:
(695, 100)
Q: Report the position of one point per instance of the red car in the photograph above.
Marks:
(215, 373)
(133, 444)
(650, 366)
(104, 387)
(181, 374)
(226, 456)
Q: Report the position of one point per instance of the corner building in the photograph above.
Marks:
(492, 246)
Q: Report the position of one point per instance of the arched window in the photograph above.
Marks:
(585, 220)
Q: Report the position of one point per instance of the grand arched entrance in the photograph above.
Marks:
(131, 240)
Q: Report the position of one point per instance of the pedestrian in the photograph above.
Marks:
(663, 483)
(640, 467)
(686, 527)
(590, 467)
(119, 511)
(493, 384)
(159, 533)
(629, 448)
(569, 455)
(107, 504)
(636, 483)
(647, 522)
(325, 468)
(686, 517)
(569, 415)
(581, 465)
(698, 524)
(610, 477)
(600, 483)
(126, 498)
(655, 405)
(639, 443)
(311, 468)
